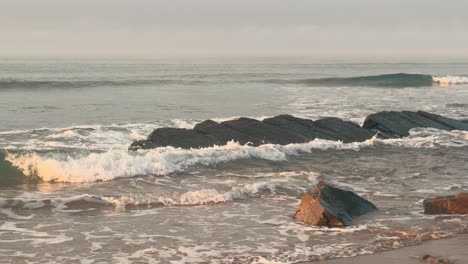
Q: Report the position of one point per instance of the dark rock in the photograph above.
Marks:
(286, 129)
(452, 123)
(454, 204)
(433, 260)
(398, 124)
(304, 127)
(181, 138)
(264, 131)
(224, 133)
(329, 206)
(142, 144)
(344, 130)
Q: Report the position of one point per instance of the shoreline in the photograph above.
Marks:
(453, 248)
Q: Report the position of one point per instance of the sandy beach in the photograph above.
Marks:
(454, 249)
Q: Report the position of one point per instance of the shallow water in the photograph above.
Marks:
(76, 195)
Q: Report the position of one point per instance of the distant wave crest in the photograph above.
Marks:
(397, 80)
(385, 80)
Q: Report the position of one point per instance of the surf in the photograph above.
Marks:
(120, 163)
(396, 80)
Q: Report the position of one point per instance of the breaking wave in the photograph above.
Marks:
(145, 200)
(397, 80)
(385, 80)
(120, 163)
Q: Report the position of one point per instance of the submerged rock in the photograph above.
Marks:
(326, 205)
(454, 204)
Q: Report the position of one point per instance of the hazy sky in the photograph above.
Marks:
(217, 28)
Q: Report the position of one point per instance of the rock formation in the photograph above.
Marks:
(286, 129)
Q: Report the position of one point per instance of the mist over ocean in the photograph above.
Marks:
(68, 181)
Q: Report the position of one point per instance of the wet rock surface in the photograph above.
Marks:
(326, 205)
(398, 124)
(454, 204)
(433, 260)
(287, 129)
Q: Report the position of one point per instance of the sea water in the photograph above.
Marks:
(71, 192)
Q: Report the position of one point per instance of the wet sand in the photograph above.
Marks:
(454, 249)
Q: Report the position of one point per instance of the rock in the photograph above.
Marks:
(454, 204)
(343, 130)
(224, 133)
(287, 129)
(264, 131)
(433, 260)
(452, 123)
(326, 205)
(181, 138)
(398, 124)
(142, 144)
(304, 127)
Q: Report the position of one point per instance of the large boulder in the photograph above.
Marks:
(398, 124)
(264, 131)
(454, 204)
(326, 205)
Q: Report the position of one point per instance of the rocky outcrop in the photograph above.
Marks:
(343, 130)
(304, 127)
(181, 138)
(454, 204)
(267, 133)
(326, 205)
(287, 129)
(398, 124)
(224, 133)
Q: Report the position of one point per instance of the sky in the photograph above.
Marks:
(237, 28)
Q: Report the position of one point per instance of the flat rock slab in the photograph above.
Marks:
(454, 204)
(326, 205)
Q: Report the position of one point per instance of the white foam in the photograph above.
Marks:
(37, 237)
(161, 161)
(449, 80)
(119, 163)
(197, 197)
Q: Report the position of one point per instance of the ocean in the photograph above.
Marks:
(71, 192)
